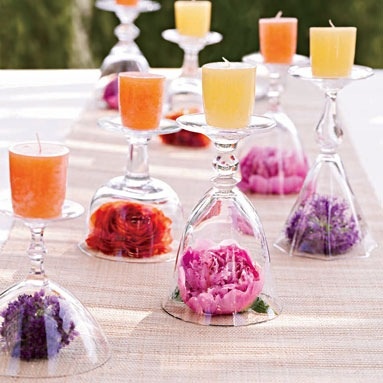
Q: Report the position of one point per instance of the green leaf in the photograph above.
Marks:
(259, 306)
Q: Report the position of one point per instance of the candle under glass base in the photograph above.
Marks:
(222, 273)
(326, 221)
(45, 331)
(134, 217)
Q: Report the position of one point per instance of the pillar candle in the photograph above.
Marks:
(140, 99)
(228, 91)
(192, 18)
(130, 3)
(38, 177)
(278, 39)
(332, 51)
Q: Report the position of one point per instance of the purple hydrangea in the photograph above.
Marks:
(36, 326)
(269, 170)
(323, 225)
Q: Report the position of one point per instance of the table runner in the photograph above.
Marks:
(330, 327)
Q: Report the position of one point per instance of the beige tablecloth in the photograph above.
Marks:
(330, 329)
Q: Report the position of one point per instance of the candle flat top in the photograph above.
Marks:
(228, 65)
(42, 149)
(193, 3)
(332, 29)
(141, 75)
(278, 20)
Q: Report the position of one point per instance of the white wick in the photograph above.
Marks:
(278, 15)
(331, 23)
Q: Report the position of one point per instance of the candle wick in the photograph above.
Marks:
(39, 142)
(331, 23)
(226, 61)
(279, 14)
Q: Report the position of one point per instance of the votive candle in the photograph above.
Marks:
(192, 18)
(278, 39)
(141, 99)
(332, 51)
(38, 178)
(228, 91)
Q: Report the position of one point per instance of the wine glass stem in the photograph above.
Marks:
(137, 168)
(274, 92)
(190, 64)
(329, 132)
(37, 252)
(225, 165)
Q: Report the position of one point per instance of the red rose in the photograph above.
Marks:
(129, 229)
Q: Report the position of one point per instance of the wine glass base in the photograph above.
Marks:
(147, 220)
(61, 340)
(267, 310)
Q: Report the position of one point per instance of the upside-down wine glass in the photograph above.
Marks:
(275, 163)
(185, 91)
(326, 221)
(135, 217)
(45, 331)
(222, 272)
(125, 55)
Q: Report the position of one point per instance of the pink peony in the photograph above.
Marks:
(219, 279)
(268, 170)
(111, 94)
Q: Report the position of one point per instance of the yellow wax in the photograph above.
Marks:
(332, 51)
(192, 17)
(228, 91)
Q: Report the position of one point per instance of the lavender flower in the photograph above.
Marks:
(323, 225)
(36, 326)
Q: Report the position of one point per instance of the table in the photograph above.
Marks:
(330, 327)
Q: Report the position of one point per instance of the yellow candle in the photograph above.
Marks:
(332, 51)
(228, 91)
(192, 17)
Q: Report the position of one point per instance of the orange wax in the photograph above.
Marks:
(278, 39)
(127, 2)
(38, 179)
(140, 99)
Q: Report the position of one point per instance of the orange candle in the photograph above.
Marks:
(38, 177)
(278, 39)
(140, 99)
(127, 2)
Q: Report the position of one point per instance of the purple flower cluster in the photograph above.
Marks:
(36, 326)
(219, 279)
(323, 225)
(269, 170)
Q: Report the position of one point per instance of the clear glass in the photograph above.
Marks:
(45, 331)
(125, 55)
(326, 221)
(222, 274)
(134, 217)
(274, 163)
(185, 91)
